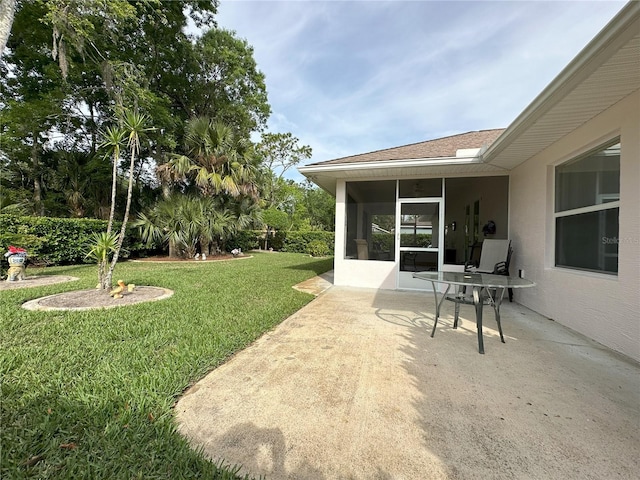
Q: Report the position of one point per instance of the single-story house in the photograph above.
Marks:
(562, 181)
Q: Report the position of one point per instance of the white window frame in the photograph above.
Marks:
(598, 207)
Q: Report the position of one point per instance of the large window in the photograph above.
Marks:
(587, 205)
(371, 220)
(470, 204)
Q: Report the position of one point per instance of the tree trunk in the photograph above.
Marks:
(138, 175)
(204, 246)
(266, 238)
(173, 251)
(214, 247)
(37, 186)
(102, 266)
(166, 190)
(94, 138)
(123, 230)
(7, 11)
(114, 184)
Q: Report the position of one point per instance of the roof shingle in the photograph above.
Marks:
(438, 148)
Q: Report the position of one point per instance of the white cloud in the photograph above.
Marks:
(353, 77)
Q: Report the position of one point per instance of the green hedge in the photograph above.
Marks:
(246, 240)
(318, 248)
(383, 242)
(59, 241)
(419, 240)
(63, 241)
(299, 241)
(292, 241)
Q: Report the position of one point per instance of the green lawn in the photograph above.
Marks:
(90, 394)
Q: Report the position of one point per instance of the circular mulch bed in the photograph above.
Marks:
(36, 281)
(92, 299)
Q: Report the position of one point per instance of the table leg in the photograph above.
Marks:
(438, 304)
(497, 301)
(477, 301)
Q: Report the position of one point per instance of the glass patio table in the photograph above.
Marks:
(486, 288)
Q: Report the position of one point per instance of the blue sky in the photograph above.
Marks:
(358, 76)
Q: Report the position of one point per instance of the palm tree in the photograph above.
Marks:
(74, 176)
(113, 140)
(217, 161)
(134, 125)
(222, 166)
(186, 220)
(13, 207)
(160, 225)
(247, 213)
(218, 223)
(173, 172)
(104, 245)
(180, 221)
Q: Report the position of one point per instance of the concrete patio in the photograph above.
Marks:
(353, 387)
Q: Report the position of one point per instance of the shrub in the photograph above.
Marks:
(58, 240)
(297, 242)
(383, 242)
(318, 248)
(419, 240)
(277, 241)
(284, 241)
(33, 243)
(245, 240)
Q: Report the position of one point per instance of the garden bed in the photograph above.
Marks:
(91, 299)
(213, 258)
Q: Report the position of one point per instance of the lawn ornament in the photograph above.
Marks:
(122, 289)
(17, 257)
(236, 251)
(117, 292)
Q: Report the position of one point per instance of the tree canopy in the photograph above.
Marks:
(71, 67)
(72, 71)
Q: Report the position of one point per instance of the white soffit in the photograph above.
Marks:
(326, 177)
(606, 71)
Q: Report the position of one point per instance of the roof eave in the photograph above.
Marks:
(326, 175)
(616, 33)
(384, 164)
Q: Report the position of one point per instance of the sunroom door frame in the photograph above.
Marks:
(404, 279)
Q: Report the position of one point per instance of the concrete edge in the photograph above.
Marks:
(316, 285)
(51, 280)
(34, 305)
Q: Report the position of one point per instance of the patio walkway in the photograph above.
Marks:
(353, 387)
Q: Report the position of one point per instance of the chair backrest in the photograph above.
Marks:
(493, 251)
(474, 254)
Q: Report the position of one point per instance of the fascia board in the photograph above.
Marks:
(386, 164)
(585, 63)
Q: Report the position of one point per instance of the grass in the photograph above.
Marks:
(90, 394)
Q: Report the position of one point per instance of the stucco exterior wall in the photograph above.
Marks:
(603, 307)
